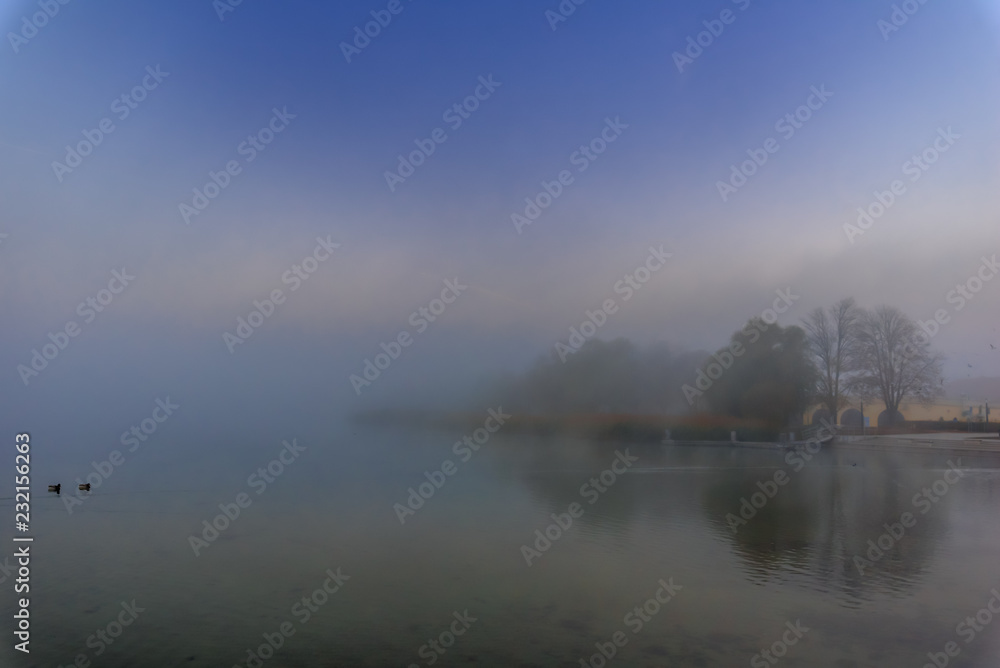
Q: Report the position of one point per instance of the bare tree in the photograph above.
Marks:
(894, 360)
(832, 338)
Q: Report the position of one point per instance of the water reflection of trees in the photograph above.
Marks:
(825, 516)
(810, 530)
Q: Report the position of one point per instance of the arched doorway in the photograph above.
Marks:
(893, 419)
(852, 418)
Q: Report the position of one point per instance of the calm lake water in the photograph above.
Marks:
(735, 592)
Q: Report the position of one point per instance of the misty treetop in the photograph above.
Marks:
(603, 377)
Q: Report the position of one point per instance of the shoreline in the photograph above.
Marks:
(703, 430)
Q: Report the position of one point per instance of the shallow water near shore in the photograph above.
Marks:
(672, 515)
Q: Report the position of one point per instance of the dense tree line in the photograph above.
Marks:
(878, 354)
(767, 372)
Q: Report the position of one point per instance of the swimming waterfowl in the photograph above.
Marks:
(55, 488)
(85, 488)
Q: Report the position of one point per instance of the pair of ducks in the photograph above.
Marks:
(56, 488)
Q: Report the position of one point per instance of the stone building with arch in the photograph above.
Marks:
(946, 410)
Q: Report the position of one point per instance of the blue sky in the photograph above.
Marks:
(324, 174)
